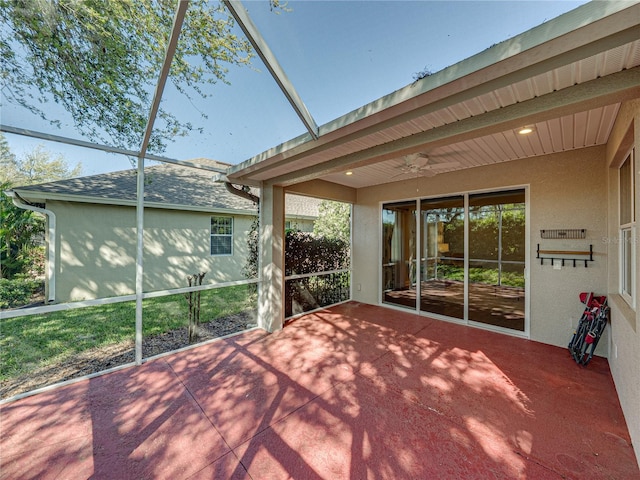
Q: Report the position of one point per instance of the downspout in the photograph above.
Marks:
(51, 238)
(242, 192)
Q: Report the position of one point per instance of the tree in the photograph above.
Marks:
(333, 221)
(6, 156)
(19, 228)
(37, 166)
(100, 60)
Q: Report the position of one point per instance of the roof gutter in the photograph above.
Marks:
(51, 239)
(242, 192)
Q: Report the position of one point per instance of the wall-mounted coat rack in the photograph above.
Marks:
(566, 256)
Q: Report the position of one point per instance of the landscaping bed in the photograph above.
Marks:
(108, 356)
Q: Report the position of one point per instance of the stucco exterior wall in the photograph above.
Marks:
(96, 250)
(567, 190)
(624, 355)
(300, 224)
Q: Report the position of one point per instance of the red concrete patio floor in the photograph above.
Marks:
(352, 392)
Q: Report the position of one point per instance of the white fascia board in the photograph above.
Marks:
(296, 216)
(549, 40)
(523, 46)
(44, 197)
(222, 178)
(189, 208)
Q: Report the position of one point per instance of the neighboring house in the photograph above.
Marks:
(301, 213)
(191, 224)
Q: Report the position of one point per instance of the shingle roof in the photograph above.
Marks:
(299, 206)
(166, 184)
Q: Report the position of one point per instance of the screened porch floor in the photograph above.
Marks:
(354, 391)
(501, 306)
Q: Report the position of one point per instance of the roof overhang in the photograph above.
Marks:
(48, 197)
(566, 77)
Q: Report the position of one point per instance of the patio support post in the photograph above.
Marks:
(139, 256)
(271, 291)
(178, 19)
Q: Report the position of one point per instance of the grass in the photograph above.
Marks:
(487, 276)
(38, 340)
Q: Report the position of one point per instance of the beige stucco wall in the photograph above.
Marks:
(96, 250)
(567, 190)
(624, 357)
(301, 224)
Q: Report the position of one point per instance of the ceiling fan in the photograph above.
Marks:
(419, 164)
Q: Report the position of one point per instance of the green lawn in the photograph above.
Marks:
(488, 276)
(38, 340)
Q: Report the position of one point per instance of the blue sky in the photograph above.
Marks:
(340, 55)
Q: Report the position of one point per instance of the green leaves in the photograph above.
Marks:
(100, 60)
(18, 230)
(37, 166)
(333, 221)
(308, 253)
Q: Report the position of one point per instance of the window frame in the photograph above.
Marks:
(219, 235)
(627, 233)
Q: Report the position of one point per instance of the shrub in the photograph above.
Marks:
(16, 292)
(34, 260)
(307, 253)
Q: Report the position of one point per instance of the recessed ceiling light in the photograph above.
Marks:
(348, 173)
(525, 130)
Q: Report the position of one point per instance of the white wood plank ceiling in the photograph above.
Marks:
(579, 130)
(568, 90)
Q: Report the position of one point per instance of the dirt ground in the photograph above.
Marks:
(109, 356)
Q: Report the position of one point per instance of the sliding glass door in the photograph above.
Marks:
(442, 259)
(399, 243)
(471, 263)
(497, 258)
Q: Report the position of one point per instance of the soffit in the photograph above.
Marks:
(570, 98)
(579, 129)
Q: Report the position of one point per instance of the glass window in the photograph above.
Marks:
(626, 268)
(627, 229)
(221, 235)
(627, 214)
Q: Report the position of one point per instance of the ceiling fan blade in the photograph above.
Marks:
(412, 158)
(400, 174)
(420, 161)
(445, 154)
(437, 166)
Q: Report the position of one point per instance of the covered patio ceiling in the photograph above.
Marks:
(565, 79)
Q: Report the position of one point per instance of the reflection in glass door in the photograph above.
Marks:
(477, 278)
(399, 241)
(497, 259)
(442, 258)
